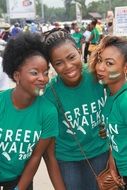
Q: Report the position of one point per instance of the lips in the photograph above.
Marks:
(71, 74)
(99, 76)
(40, 86)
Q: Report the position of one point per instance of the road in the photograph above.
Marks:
(41, 179)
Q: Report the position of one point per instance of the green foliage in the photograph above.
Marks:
(103, 6)
(2, 7)
(118, 3)
(70, 7)
(54, 14)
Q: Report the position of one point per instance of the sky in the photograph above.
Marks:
(58, 3)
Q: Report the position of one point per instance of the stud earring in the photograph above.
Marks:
(125, 74)
(17, 82)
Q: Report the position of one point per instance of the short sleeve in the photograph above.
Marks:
(50, 122)
(123, 108)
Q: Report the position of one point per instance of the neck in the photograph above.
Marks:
(114, 88)
(21, 99)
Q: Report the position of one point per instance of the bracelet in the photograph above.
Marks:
(16, 188)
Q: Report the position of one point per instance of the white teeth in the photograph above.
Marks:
(71, 74)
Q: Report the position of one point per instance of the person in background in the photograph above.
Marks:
(67, 28)
(109, 63)
(94, 37)
(5, 35)
(26, 27)
(15, 30)
(4, 79)
(110, 27)
(99, 27)
(82, 99)
(73, 25)
(57, 25)
(28, 121)
(78, 37)
(86, 35)
(33, 27)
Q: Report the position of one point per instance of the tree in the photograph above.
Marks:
(83, 4)
(68, 4)
(103, 6)
(3, 8)
(70, 8)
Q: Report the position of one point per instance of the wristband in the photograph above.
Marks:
(16, 188)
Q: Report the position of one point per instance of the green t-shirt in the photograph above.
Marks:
(82, 106)
(96, 36)
(77, 37)
(20, 130)
(115, 114)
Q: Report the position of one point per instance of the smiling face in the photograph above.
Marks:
(66, 61)
(111, 67)
(32, 76)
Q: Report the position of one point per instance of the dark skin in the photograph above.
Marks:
(45, 148)
(34, 161)
(53, 168)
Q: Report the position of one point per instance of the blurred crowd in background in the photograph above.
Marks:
(80, 32)
(89, 32)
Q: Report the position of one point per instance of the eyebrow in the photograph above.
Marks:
(106, 58)
(60, 59)
(110, 59)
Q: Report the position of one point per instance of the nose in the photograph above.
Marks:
(68, 65)
(101, 66)
(43, 78)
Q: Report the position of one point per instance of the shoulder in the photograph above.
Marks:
(46, 110)
(122, 100)
(88, 74)
(46, 105)
(92, 32)
(91, 81)
(121, 105)
(81, 34)
(3, 94)
(48, 91)
(4, 99)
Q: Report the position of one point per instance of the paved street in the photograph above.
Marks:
(41, 179)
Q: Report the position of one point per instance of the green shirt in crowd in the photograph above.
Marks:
(77, 36)
(96, 36)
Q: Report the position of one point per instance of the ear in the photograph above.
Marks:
(79, 51)
(16, 77)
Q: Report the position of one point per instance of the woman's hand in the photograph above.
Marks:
(102, 131)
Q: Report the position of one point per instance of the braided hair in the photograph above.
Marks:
(55, 37)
